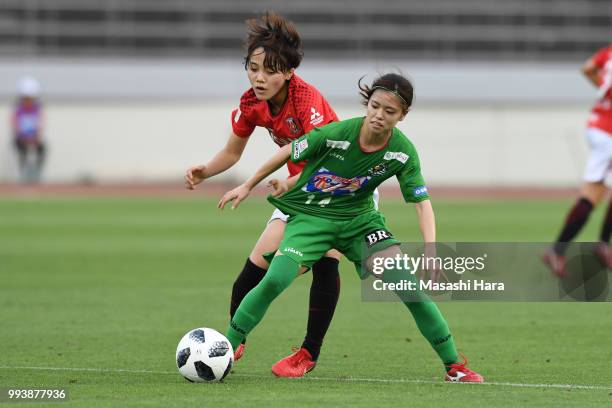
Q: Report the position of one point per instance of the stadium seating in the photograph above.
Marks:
(448, 29)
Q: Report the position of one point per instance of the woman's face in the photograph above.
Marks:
(383, 112)
(265, 83)
(27, 101)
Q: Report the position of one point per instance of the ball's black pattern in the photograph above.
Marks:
(227, 370)
(197, 336)
(183, 355)
(218, 349)
(204, 372)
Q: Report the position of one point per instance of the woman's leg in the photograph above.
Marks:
(324, 291)
(282, 272)
(425, 312)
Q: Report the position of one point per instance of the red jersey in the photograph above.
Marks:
(304, 109)
(601, 114)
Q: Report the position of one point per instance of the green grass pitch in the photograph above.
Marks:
(96, 293)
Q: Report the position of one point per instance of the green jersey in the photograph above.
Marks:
(339, 178)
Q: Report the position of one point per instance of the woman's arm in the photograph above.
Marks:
(591, 72)
(427, 224)
(427, 220)
(242, 191)
(223, 160)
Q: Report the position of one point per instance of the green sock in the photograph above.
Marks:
(281, 273)
(428, 318)
(434, 328)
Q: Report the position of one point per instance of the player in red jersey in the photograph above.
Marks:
(598, 70)
(288, 108)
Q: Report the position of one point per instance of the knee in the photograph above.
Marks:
(272, 285)
(282, 272)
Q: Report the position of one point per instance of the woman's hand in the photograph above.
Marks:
(194, 176)
(432, 269)
(236, 195)
(279, 187)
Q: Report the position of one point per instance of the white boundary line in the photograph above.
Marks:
(311, 378)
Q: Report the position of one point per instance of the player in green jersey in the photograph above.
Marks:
(331, 206)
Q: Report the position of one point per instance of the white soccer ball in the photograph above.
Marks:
(204, 355)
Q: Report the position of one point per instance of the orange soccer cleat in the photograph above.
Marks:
(295, 365)
(458, 372)
(239, 352)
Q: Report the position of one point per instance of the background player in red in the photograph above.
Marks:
(288, 108)
(598, 70)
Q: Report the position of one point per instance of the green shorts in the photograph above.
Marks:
(308, 238)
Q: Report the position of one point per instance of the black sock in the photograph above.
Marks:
(324, 294)
(250, 277)
(606, 227)
(577, 217)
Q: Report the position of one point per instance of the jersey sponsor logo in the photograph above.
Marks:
(293, 126)
(419, 191)
(399, 156)
(293, 251)
(377, 236)
(315, 117)
(299, 147)
(378, 170)
(327, 182)
(238, 113)
(336, 156)
(338, 144)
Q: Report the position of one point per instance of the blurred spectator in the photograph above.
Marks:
(27, 130)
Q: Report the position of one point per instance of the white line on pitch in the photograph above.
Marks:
(311, 378)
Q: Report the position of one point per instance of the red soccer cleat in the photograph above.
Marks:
(458, 372)
(296, 365)
(239, 352)
(555, 262)
(603, 252)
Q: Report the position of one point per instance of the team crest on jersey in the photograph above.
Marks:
(378, 170)
(293, 126)
(327, 182)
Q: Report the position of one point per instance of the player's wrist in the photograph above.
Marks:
(249, 185)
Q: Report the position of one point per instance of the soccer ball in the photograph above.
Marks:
(204, 355)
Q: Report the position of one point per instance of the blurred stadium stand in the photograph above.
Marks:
(518, 30)
(137, 90)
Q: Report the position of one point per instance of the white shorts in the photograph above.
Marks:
(600, 156)
(279, 215)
